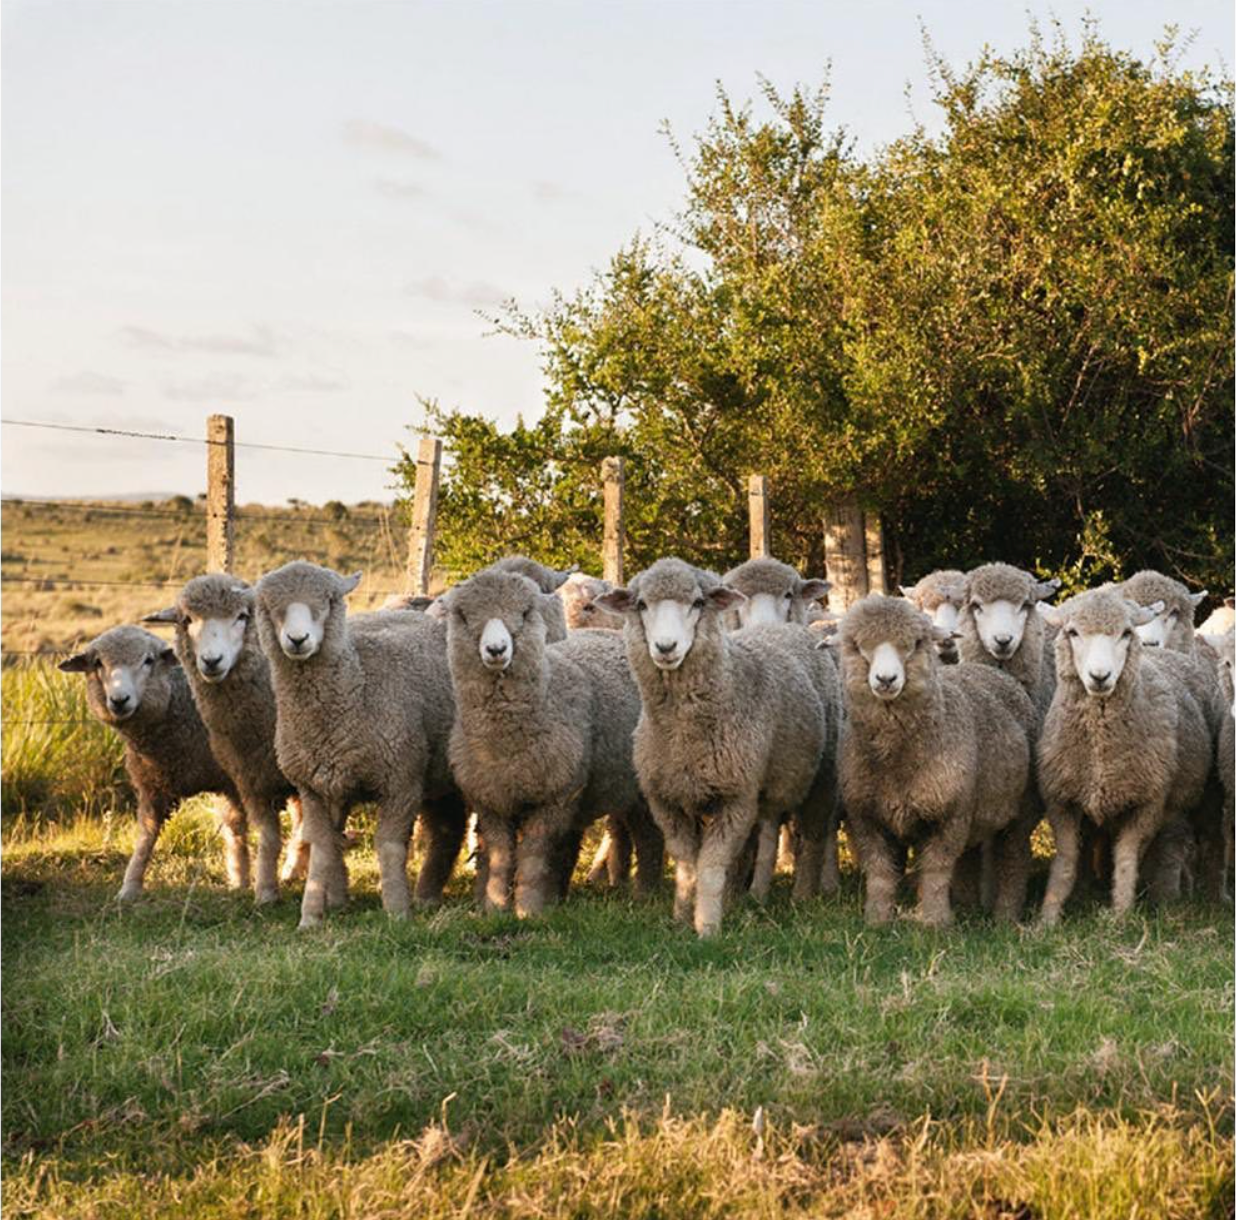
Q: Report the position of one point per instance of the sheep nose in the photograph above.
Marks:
(886, 680)
(495, 650)
(297, 640)
(666, 648)
(211, 664)
(1150, 643)
(119, 702)
(1100, 678)
(1003, 641)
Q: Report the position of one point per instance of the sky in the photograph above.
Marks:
(302, 213)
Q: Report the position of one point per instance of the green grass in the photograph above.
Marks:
(194, 1056)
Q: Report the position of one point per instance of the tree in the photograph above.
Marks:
(1013, 339)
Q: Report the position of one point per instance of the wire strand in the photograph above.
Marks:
(197, 440)
(123, 510)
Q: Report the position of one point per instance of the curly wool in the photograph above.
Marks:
(1130, 762)
(944, 766)
(368, 717)
(1032, 665)
(543, 747)
(738, 731)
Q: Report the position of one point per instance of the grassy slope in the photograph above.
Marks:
(191, 1054)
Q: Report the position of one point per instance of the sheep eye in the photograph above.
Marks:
(641, 605)
(1127, 634)
(148, 661)
(789, 596)
(588, 609)
(698, 604)
(1071, 632)
(977, 607)
(243, 616)
(1027, 607)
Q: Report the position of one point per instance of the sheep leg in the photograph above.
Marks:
(150, 819)
(600, 860)
(1127, 850)
(723, 842)
(1211, 827)
(499, 836)
(937, 860)
(1011, 863)
(325, 858)
(566, 858)
(880, 869)
(296, 864)
(445, 821)
(234, 827)
(1066, 828)
(1163, 861)
(765, 857)
(618, 859)
(266, 818)
(393, 837)
(649, 852)
(480, 864)
(830, 868)
(540, 860)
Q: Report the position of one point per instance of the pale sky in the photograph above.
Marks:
(292, 211)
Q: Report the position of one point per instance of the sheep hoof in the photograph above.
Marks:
(399, 914)
(706, 931)
(309, 921)
(264, 898)
(129, 893)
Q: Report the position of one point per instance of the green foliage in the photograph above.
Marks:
(1011, 339)
(57, 758)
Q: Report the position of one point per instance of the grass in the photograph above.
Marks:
(194, 1056)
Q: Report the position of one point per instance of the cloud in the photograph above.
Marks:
(406, 338)
(312, 383)
(89, 383)
(477, 294)
(260, 341)
(217, 388)
(361, 133)
(550, 192)
(399, 190)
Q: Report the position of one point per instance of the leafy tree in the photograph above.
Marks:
(1012, 339)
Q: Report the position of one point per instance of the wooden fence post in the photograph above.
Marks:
(757, 512)
(220, 493)
(424, 515)
(613, 479)
(877, 572)
(845, 554)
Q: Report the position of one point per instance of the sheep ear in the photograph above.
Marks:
(1198, 598)
(1052, 615)
(420, 603)
(168, 656)
(1147, 614)
(559, 578)
(1046, 588)
(826, 641)
(348, 583)
(724, 597)
(618, 601)
(79, 663)
(161, 616)
(906, 591)
(437, 608)
(814, 590)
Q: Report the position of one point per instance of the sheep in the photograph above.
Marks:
(135, 685)
(1172, 629)
(1225, 750)
(364, 713)
(229, 679)
(579, 595)
(541, 743)
(733, 729)
(1221, 620)
(999, 627)
(1124, 745)
(936, 756)
(775, 593)
(941, 595)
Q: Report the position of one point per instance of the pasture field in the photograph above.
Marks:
(192, 1056)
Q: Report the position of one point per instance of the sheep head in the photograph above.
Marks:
(213, 616)
(1098, 640)
(999, 600)
(886, 649)
(498, 618)
(126, 670)
(297, 604)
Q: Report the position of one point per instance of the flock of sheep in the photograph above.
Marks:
(718, 718)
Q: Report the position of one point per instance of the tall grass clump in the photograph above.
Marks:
(56, 758)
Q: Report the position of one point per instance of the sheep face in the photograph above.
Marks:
(299, 601)
(498, 618)
(1173, 626)
(774, 592)
(212, 616)
(886, 648)
(579, 600)
(999, 601)
(1226, 648)
(669, 606)
(1098, 638)
(126, 669)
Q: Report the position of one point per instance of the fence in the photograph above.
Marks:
(853, 540)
